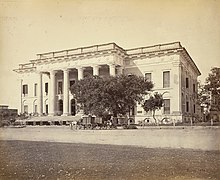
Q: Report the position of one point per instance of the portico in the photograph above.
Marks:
(61, 93)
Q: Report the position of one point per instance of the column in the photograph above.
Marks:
(80, 73)
(119, 70)
(21, 110)
(51, 92)
(112, 69)
(65, 92)
(39, 95)
(95, 70)
(175, 83)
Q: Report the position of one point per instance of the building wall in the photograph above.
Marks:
(156, 66)
(30, 99)
(176, 63)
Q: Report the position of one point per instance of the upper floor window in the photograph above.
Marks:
(60, 87)
(166, 106)
(46, 88)
(35, 89)
(25, 89)
(166, 79)
(194, 88)
(187, 106)
(148, 76)
(187, 82)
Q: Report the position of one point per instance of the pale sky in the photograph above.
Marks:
(28, 27)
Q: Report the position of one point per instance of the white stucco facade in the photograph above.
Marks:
(45, 81)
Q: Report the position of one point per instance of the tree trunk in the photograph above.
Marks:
(155, 118)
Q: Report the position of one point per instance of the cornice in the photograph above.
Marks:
(186, 56)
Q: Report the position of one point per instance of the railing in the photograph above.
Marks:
(89, 49)
(159, 47)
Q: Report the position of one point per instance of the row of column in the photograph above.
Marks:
(52, 85)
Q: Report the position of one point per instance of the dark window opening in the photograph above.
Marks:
(46, 108)
(148, 76)
(60, 87)
(187, 106)
(187, 82)
(25, 89)
(46, 88)
(194, 88)
(72, 82)
(61, 106)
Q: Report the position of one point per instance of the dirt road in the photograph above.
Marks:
(189, 138)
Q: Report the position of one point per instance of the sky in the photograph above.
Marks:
(28, 27)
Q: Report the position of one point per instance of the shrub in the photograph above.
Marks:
(4, 123)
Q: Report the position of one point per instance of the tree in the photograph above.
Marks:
(203, 100)
(213, 87)
(153, 103)
(123, 92)
(88, 93)
(112, 94)
(209, 93)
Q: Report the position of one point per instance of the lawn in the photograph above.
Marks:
(52, 160)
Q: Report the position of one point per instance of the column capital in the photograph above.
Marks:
(112, 69)
(112, 65)
(53, 71)
(96, 66)
(66, 70)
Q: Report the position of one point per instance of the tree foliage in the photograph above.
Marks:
(112, 94)
(212, 85)
(153, 103)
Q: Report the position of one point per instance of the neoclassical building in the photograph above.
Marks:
(45, 81)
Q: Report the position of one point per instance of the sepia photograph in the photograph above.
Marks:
(110, 89)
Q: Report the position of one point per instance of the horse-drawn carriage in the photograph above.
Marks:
(93, 122)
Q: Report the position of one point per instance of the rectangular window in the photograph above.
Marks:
(194, 88)
(25, 89)
(187, 82)
(187, 106)
(72, 82)
(194, 108)
(60, 87)
(35, 89)
(148, 76)
(166, 106)
(166, 79)
(46, 88)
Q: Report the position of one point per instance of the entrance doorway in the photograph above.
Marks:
(60, 106)
(73, 107)
(46, 108)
